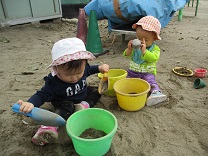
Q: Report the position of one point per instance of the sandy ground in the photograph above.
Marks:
(178, 126)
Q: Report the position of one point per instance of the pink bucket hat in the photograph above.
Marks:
(69, 49)
(149, 23)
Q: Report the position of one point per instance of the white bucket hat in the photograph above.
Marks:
(149, 23)
(69, 49)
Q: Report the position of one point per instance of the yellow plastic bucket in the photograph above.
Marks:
(131, 93)
(113, 76)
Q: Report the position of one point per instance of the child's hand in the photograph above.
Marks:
(25, 107)
(143, 46)
(129, 48)
(103, 68)
(130, 45)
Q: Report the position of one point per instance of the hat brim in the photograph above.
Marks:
(134, 26)
(80, 55)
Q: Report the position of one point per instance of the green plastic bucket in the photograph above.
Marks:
(98, 119)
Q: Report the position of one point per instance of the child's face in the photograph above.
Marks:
(148, 36)
(71, 76)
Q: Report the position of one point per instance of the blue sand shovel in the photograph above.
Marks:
(41, 116)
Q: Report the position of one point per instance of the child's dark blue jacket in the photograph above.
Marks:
(56, 90)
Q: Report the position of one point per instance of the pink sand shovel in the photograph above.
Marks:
(41, 116)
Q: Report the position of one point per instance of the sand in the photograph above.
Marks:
(178, 126)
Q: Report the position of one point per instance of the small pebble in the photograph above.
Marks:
(156, 127)
(24, 122)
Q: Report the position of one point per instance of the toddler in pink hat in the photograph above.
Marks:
(66, 86)
(144, 59)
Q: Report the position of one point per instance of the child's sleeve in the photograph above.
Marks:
(124, 53)
(43, 95)
(152, 56)
(91, 69)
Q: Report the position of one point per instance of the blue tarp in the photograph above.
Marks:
(130, 11)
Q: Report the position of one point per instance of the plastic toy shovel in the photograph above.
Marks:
(103, 85)
(41, 116)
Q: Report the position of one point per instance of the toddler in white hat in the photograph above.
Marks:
(143, 60)
(66, 86)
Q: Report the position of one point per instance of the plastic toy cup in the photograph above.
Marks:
(136, 44)
(200, 73)
(199, 83)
